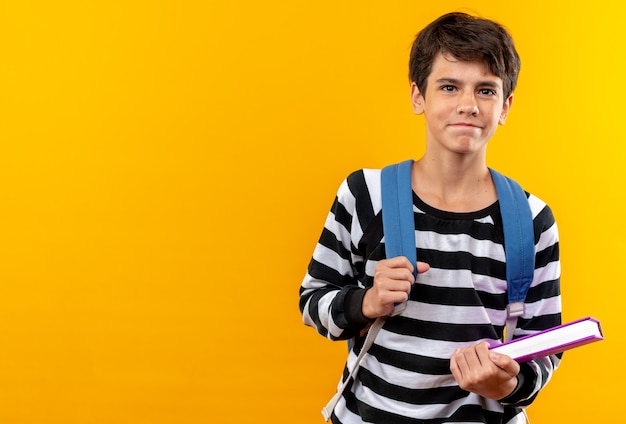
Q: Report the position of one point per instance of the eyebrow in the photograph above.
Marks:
(491, 84)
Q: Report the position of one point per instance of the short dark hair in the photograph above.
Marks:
(467, 38)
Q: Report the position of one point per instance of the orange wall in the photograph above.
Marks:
(166, 167)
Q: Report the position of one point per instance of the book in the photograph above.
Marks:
(553, 340)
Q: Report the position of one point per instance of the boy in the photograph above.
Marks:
(431, 364)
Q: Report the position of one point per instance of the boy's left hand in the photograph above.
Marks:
(485, 373)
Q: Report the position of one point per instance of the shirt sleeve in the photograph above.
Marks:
(332, 292)
(542, 308)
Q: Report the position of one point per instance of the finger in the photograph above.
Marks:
(404, 275)
(455, 368)
(459, 361)
(505, 363)
(482, 350)
(395, 293)
(399, 262)
(459, 368)
(472, 356)
(422, 267)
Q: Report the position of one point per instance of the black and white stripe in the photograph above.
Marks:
(405, 376)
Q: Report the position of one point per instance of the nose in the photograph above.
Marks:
(467, 104)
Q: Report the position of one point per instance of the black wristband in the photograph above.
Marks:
(353, 307)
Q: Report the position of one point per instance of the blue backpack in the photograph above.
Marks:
(399, 233)
(519, 235)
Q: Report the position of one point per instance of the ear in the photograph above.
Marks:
(505, 110)
(417, 100)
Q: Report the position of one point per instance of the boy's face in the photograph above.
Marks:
(463, 105)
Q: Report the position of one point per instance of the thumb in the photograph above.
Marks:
(505, 362)
(422, 267)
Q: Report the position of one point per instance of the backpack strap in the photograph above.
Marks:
(519, 246)
(399, 234)
(398, 226)
(398, 219)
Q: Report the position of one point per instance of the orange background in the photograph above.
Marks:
(166, 168)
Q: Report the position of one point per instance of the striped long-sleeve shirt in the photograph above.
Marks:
(405, 376)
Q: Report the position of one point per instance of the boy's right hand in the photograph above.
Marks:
(393, 279)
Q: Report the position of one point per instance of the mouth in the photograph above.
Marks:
(464, 124)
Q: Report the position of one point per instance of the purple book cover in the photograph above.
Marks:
(533, 354)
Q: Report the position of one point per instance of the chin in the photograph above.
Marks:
(468, 147)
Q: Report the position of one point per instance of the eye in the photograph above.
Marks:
(487, 92)
(448, 88)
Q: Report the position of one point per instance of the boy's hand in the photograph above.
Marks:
(393, 279)
(486, 373)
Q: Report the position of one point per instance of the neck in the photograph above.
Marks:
(455, 186)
